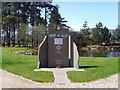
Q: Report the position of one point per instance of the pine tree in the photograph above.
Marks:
(55, 18)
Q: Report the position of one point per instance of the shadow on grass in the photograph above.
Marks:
(88, 67)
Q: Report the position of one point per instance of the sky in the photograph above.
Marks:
(76, 13)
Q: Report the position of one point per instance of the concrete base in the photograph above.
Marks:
(63, 69)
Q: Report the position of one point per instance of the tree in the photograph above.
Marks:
(116, 34)
(21, 35)
(9, 20)
(78, 39)
(37, 35)
(106, 34)
(17, 15)
(55, 18)
(6, 20)
(86, 34)
(100, 34)
(85, 24)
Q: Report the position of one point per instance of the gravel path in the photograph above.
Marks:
(10, 80)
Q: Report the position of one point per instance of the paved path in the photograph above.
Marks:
(10, 80)
(60, 76)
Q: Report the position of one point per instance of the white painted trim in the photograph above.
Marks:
(69, 46)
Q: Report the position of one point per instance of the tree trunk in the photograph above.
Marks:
(8, 40)
(19, 43)
(3, 44)
(32, 42)
(37, 40)
(13, 42)
(8, 36)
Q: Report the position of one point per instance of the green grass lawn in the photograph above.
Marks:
(95, 68)
(23, 65)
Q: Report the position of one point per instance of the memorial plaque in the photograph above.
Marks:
(58, 41)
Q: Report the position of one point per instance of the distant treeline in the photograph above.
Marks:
(100, 35)
(24, 24)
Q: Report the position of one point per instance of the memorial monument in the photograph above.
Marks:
(58, 49)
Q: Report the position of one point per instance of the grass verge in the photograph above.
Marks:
(24, 65)
(95, 68)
